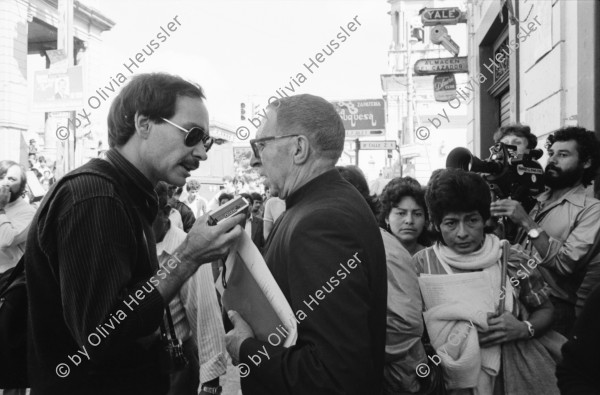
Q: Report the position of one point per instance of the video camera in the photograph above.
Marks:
(519, 177)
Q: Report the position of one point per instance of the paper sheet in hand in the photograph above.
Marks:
(472, 288)
(254, 294)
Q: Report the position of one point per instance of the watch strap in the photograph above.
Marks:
(538, 232)
(530, 329)
(211, 390)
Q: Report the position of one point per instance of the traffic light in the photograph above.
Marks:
(389, 154)
(243, 111)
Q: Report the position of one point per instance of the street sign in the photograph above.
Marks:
(443, 16)
(378, 145)
(444, 87)
(439, 35)
(457, 64)
(362, 117)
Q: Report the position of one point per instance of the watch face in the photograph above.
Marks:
(533, 234)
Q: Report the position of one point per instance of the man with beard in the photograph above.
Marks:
(15, 214)
(562, 230)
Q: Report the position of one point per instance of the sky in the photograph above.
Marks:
(246, 50)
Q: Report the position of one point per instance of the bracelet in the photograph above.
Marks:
(212, 390)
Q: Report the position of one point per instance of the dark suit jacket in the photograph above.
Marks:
(327, 256)
(257, 232)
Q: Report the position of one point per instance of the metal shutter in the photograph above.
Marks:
(505, 108)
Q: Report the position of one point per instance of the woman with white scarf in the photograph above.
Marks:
(483, 352)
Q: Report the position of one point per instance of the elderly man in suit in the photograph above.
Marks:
(327, 256)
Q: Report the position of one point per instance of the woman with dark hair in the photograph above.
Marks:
(404, 324)
(490, 334)
(355, 176)
(404, 213)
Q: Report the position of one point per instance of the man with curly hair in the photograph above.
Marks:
(562, 229)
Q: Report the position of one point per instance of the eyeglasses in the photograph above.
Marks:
(194, 136)
(259, 144)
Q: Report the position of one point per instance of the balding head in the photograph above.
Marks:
(315, 118)
(301, 138)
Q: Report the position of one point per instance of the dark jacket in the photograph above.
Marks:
(187, 215)
(92, 309)
(257, 232)
(579, 371)
(327, 256)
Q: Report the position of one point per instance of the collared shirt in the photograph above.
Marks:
(14, 225)
(195, 311)
(175, 218)
(274, 207)
(248, 227)
(573, 224)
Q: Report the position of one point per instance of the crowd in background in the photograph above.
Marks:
(43, 170)
(377, 331)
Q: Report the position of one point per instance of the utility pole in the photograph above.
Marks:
(409, 89)
(66, 149)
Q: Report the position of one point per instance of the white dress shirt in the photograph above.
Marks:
(195, 311)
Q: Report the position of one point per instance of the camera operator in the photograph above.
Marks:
(518, 135)
(562, 227)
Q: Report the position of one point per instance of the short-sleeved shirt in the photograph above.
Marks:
(274, 207)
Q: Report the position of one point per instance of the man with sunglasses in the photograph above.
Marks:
(97, 296)
(327, 256)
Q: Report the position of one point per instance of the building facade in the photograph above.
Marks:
(426, 129)
(533, 62)
(29, 30)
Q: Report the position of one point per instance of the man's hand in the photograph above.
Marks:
(235, 337)
(203, 244)
(206, 243)
(514, 211)
(4, 195)
(503, 328)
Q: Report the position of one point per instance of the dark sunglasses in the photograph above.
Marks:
(194, 136)
(258, 144)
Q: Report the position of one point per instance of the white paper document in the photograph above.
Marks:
(471, 288)
(254, 294)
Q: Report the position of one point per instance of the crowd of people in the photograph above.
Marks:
(416, 290)
(38, 165)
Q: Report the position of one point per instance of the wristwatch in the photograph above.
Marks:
(530, 329)
(534, 233)
(211, 390)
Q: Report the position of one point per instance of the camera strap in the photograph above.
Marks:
(169, 320)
